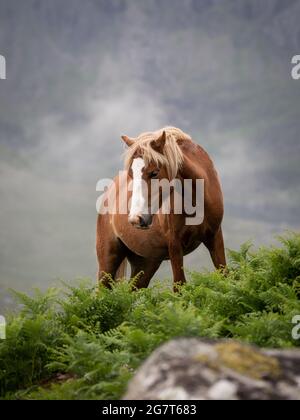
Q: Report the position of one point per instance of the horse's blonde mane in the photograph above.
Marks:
(172, 157)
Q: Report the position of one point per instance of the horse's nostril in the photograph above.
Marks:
(142, 221)
(146, 220)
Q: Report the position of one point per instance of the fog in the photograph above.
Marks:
(78, 75)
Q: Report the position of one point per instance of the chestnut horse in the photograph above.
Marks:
(146, 239)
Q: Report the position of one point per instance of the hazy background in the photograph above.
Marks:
(79, 74)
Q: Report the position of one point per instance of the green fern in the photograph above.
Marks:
(96, 341)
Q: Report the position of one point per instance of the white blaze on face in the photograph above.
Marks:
(139, 194)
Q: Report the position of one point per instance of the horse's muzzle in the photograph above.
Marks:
(141, 221)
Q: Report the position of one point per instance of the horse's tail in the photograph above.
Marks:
(121, 271)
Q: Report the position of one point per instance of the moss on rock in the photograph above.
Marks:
(248, 360)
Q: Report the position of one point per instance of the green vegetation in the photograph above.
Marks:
(80, 344)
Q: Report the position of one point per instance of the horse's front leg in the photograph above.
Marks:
(176, 258)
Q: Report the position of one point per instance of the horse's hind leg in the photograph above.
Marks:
(215, 244)
(146, 267)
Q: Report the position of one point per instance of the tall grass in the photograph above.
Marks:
(79, 344)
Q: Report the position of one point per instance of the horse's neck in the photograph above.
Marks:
(195, 163)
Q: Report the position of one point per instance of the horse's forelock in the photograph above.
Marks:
(172, 156)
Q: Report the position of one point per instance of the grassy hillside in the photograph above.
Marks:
(77, 344)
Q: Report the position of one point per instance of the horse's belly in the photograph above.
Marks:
(191, 238)
(152, 243)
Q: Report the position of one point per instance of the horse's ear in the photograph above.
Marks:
(159, 143)
(127, 140)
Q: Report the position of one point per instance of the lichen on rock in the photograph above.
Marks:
(190, 368)
(248, 360)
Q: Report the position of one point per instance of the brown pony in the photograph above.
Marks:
(145, 239)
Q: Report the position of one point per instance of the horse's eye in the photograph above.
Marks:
(153, 174)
